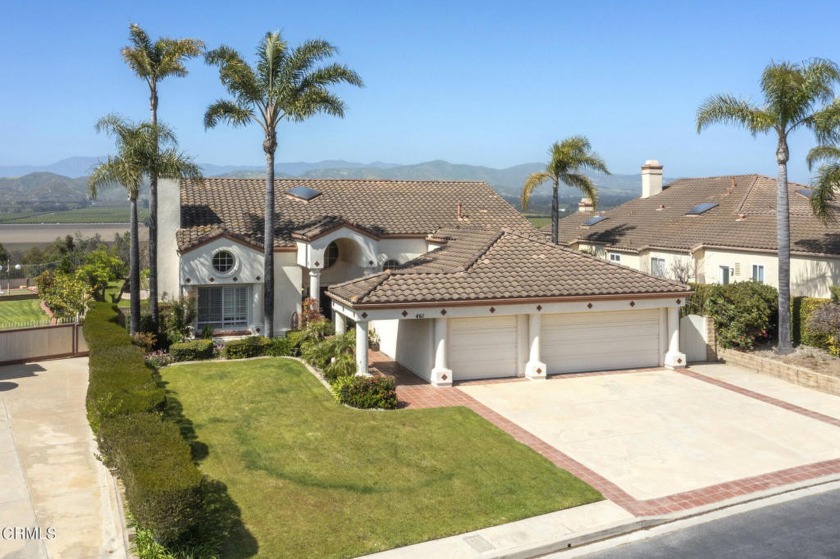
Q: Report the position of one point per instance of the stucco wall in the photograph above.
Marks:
(169, 220)
(197, 264)
(809, 276)
(401, 250)
(287, 290)
(388, 332)
(414, 346)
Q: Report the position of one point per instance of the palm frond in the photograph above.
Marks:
(582, 183)
(271, 55)
(227, 111)
(531, 183)
(826, 123)
(822, 153)
(238, 78)
(173, 164)
(825, 187)
(728, 109)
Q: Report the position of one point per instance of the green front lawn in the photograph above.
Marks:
(13, 313)
(316, 479)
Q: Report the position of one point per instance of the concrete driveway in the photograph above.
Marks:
(56, 499)
(660, 433)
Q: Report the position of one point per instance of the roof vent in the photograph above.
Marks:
(594, 220)
(701, 208)
(303, 193)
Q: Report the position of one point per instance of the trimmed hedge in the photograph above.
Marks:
(281, 347)
(119, 381)
(192, 350)
(253, 346)
(162, 484)
(366, 392)
(801, 310)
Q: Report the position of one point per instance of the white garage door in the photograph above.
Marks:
(600, 341)
(482, 347)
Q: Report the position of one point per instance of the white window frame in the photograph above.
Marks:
(657, 266)
(234, 307)
(615, 257)
(760, 269)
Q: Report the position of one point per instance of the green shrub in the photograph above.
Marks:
(253, 346)
(321, 352)
(801, 310)
(280, 347)
(823, 328)
(696, 302)
(295, 338)
(162, 484)
(745, 313)
(119, 381)
(366, 392)
(192, 350)
(835, 293)
(342, 366)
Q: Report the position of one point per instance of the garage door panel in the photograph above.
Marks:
(600, 341)
(482, 347)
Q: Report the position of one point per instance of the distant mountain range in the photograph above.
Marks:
(65, 181)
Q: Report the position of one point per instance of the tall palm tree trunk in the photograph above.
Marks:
(134, 271)
(555, 212)
(153, 230)
(783, 240)
(270, 145)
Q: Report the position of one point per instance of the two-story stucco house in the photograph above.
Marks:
(456, 283)
(711, 230)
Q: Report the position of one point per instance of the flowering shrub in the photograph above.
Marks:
(824, 328)
(366, 392)
(158, 359)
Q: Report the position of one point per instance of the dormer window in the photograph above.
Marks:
(223, 261)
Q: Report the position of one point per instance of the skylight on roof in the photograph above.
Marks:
(701, 208)
(593, 220)
(806, 192)
(303, 193)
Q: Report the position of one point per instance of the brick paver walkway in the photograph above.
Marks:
(415, 393)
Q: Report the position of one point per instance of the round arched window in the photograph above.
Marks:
(223, 261)
(390, 264)
(331, 254)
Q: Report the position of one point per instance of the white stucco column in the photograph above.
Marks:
(340, 323)
(441, 373)
(674, 358)
(315, 286)
(362, 348)
(535, 369)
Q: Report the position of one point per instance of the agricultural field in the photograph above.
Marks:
(23, 236)
(80, 215)
(538, 220)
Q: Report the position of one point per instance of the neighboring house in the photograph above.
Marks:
(456, 283)
(711, 230)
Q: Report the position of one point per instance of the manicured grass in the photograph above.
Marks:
(15, 313)
(316, 479)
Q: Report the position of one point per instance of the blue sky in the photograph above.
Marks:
(487, 83)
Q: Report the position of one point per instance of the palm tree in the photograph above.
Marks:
(284, 84)
(153, 62)
(138, 155)
(827, 182)
(795, 96)
(568, 158)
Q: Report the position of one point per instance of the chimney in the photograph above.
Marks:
(585, 205)
(651, 178)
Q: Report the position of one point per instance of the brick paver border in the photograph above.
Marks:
(416, 396)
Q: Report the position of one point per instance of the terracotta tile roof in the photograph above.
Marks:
(487, 265)
(744, 218)
(379, 207)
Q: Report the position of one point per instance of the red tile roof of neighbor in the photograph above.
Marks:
(476, 266)
(745, 218)
(381, 208)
